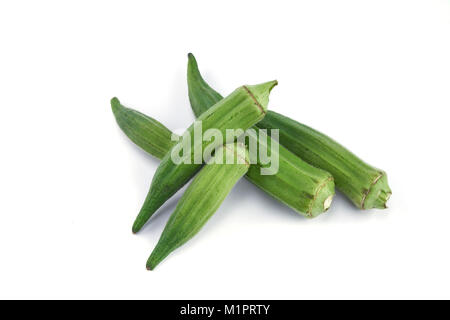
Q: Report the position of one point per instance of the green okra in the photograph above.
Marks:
(304, 188)
(364, 185)
(201, 199)
(243, 108)
(146, 132)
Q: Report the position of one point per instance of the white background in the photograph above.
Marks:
(374, 75)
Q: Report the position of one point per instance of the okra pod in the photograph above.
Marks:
(201, 199)
(243, 108)
(149, 134)
(146, 132)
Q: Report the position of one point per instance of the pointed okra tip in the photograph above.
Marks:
(150, 265)
(158, 255)
(115, 105)
(137, 226)
(261, 92)
(192, 64)
(191, 60)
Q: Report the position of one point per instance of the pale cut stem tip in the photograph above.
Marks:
(388, 196)
(327, 202)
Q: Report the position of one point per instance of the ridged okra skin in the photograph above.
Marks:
(297, 184)
(201, 199)
(305, 188)
(145, 132)
(243, 108)
(364, 185)
(149, 134)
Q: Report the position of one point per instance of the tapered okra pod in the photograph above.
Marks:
(146, 132)
(201, 199)
(243, 108)
(201, 95)
(364, 185)
(304, 188)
